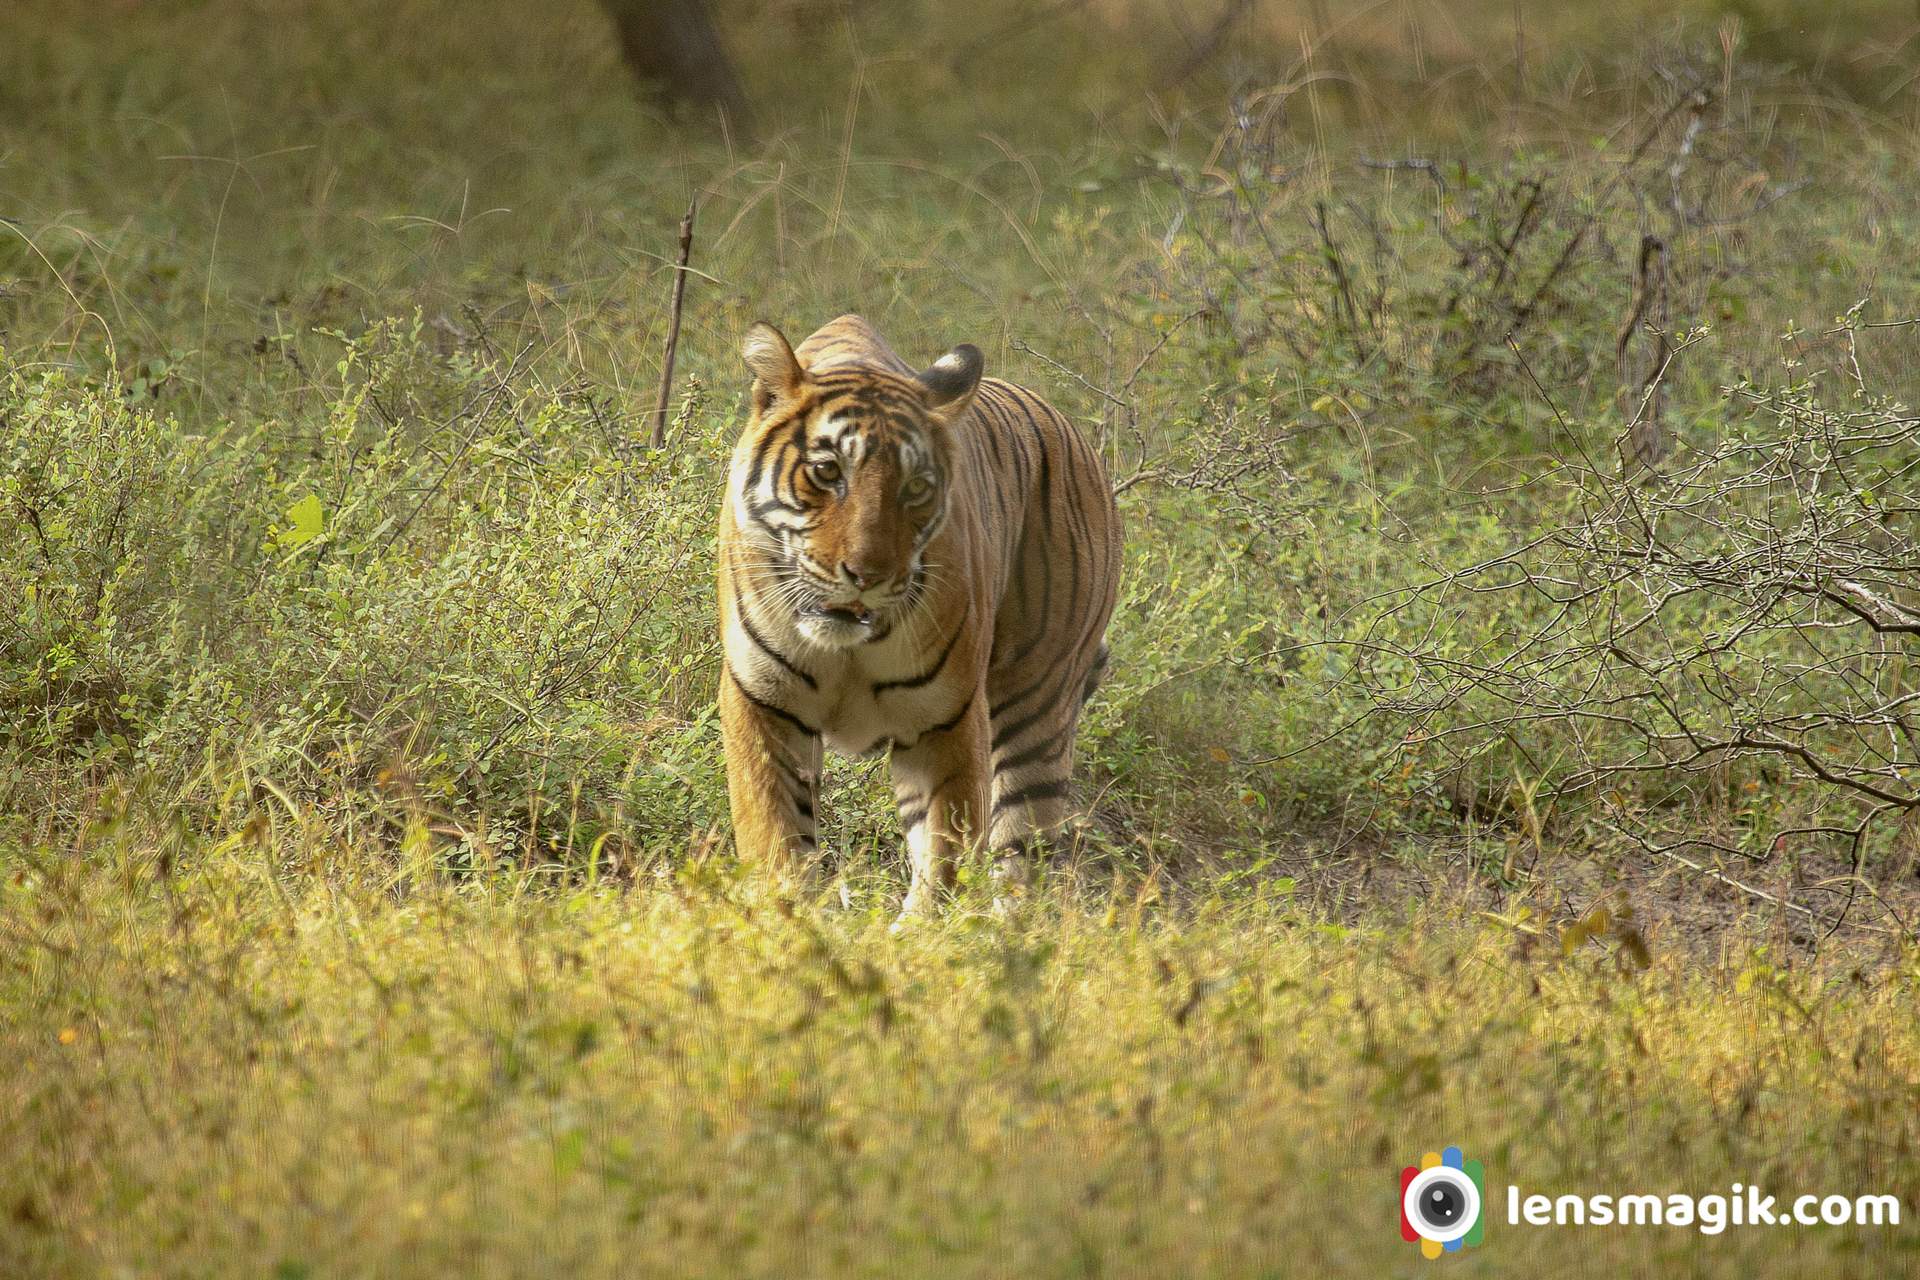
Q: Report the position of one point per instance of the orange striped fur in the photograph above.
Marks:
(922, 563)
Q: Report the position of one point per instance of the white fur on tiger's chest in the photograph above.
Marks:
(866, 699)
(862, 698)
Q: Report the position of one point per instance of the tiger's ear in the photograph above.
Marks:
(949, 382)
(771, 360)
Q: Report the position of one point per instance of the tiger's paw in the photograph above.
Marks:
(920, 904)
(908, 919)
(1012, 879)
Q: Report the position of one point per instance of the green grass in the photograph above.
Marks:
(234, 1070)
(368, 905)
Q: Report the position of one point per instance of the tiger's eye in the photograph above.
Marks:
(918, 489)
(825, 473)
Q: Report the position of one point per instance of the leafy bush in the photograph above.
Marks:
(456, 592)
(93, 555)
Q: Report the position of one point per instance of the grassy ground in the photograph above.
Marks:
(367, 904)
(241, 1072)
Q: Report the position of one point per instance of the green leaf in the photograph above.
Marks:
(307, 520)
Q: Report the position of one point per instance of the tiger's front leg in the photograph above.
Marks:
(940, 784)
(773, 777)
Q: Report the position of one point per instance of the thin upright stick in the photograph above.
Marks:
(659, 439)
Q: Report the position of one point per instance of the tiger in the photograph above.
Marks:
(917, 562)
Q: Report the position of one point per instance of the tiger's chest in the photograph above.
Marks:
(874, 699)
(866, 698)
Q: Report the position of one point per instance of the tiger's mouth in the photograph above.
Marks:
(853, 614)
(841, 624)
(832, 614)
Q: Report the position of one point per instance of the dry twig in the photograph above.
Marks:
(659, 435)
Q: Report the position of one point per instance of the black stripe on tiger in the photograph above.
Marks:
(1048, 749)
(778, 713)
(766, 646)
(926, 677)
(1053, 790)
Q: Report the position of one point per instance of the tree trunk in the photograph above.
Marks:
(675, 50)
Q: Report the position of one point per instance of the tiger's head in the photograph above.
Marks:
(842, 477)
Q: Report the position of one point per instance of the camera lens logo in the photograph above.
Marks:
(1440, 1202)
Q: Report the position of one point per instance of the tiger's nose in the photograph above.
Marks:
(864, 573)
